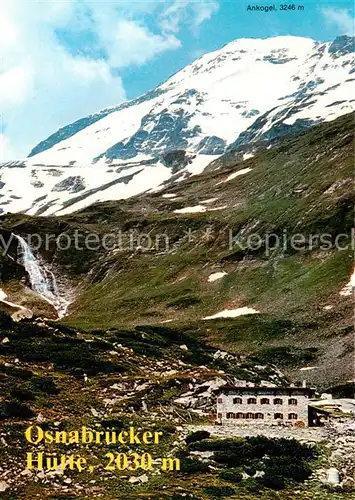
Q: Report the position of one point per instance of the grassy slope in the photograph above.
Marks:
(41, 382)
(42, 364)
(302, 186)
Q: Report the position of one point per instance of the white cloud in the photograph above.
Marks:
(138, 45)
(42, 85)
(6, 150)
(189, 12)
(204, 10)
(341, 18)
(45, 84)
(129, 43)
(15, 84)
(127, 40)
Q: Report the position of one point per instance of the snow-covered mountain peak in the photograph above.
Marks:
(249, 90)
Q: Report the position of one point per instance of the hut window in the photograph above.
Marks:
(249, 415)
(278, 415)
(265, 401)
(251, 401)
(259, 416)
(237, 401)
(219, 400)
(292, 401)
(278, 401)
(292, 416)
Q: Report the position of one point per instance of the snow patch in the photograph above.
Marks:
(349, 288)
(210, 200)
(237, 174)
(217, 208)
(191, 210)
(197, 209)
(169, 195)
(16, 311)
(216, 276)
(233, 313)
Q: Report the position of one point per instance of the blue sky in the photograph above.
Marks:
(63, 59)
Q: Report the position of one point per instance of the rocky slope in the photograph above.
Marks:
(152, 378)
(248, 91)
(61, 379)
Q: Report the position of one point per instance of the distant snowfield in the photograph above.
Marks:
(337, 95)
(199, 163)
(216, 276)
(150, 175)
(61, 190)
(233, 313)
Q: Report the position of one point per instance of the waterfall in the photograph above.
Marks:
(42, 280)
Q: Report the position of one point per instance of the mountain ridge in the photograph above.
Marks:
(342, 45)
(248, 91)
